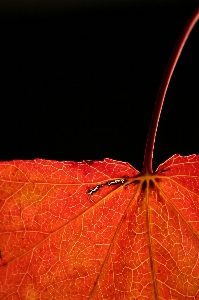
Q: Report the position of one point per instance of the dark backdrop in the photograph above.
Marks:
(80, 82)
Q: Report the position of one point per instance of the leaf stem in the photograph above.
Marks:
(148, 156)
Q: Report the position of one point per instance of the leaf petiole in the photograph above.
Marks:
(148, 156)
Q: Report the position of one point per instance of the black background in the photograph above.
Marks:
(80, 82)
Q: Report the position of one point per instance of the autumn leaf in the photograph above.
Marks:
(102, 229)
(133, 239)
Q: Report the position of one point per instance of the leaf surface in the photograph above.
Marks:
(99, 230)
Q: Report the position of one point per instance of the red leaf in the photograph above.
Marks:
(137, 239)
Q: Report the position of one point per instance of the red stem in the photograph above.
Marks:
(148, 156)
